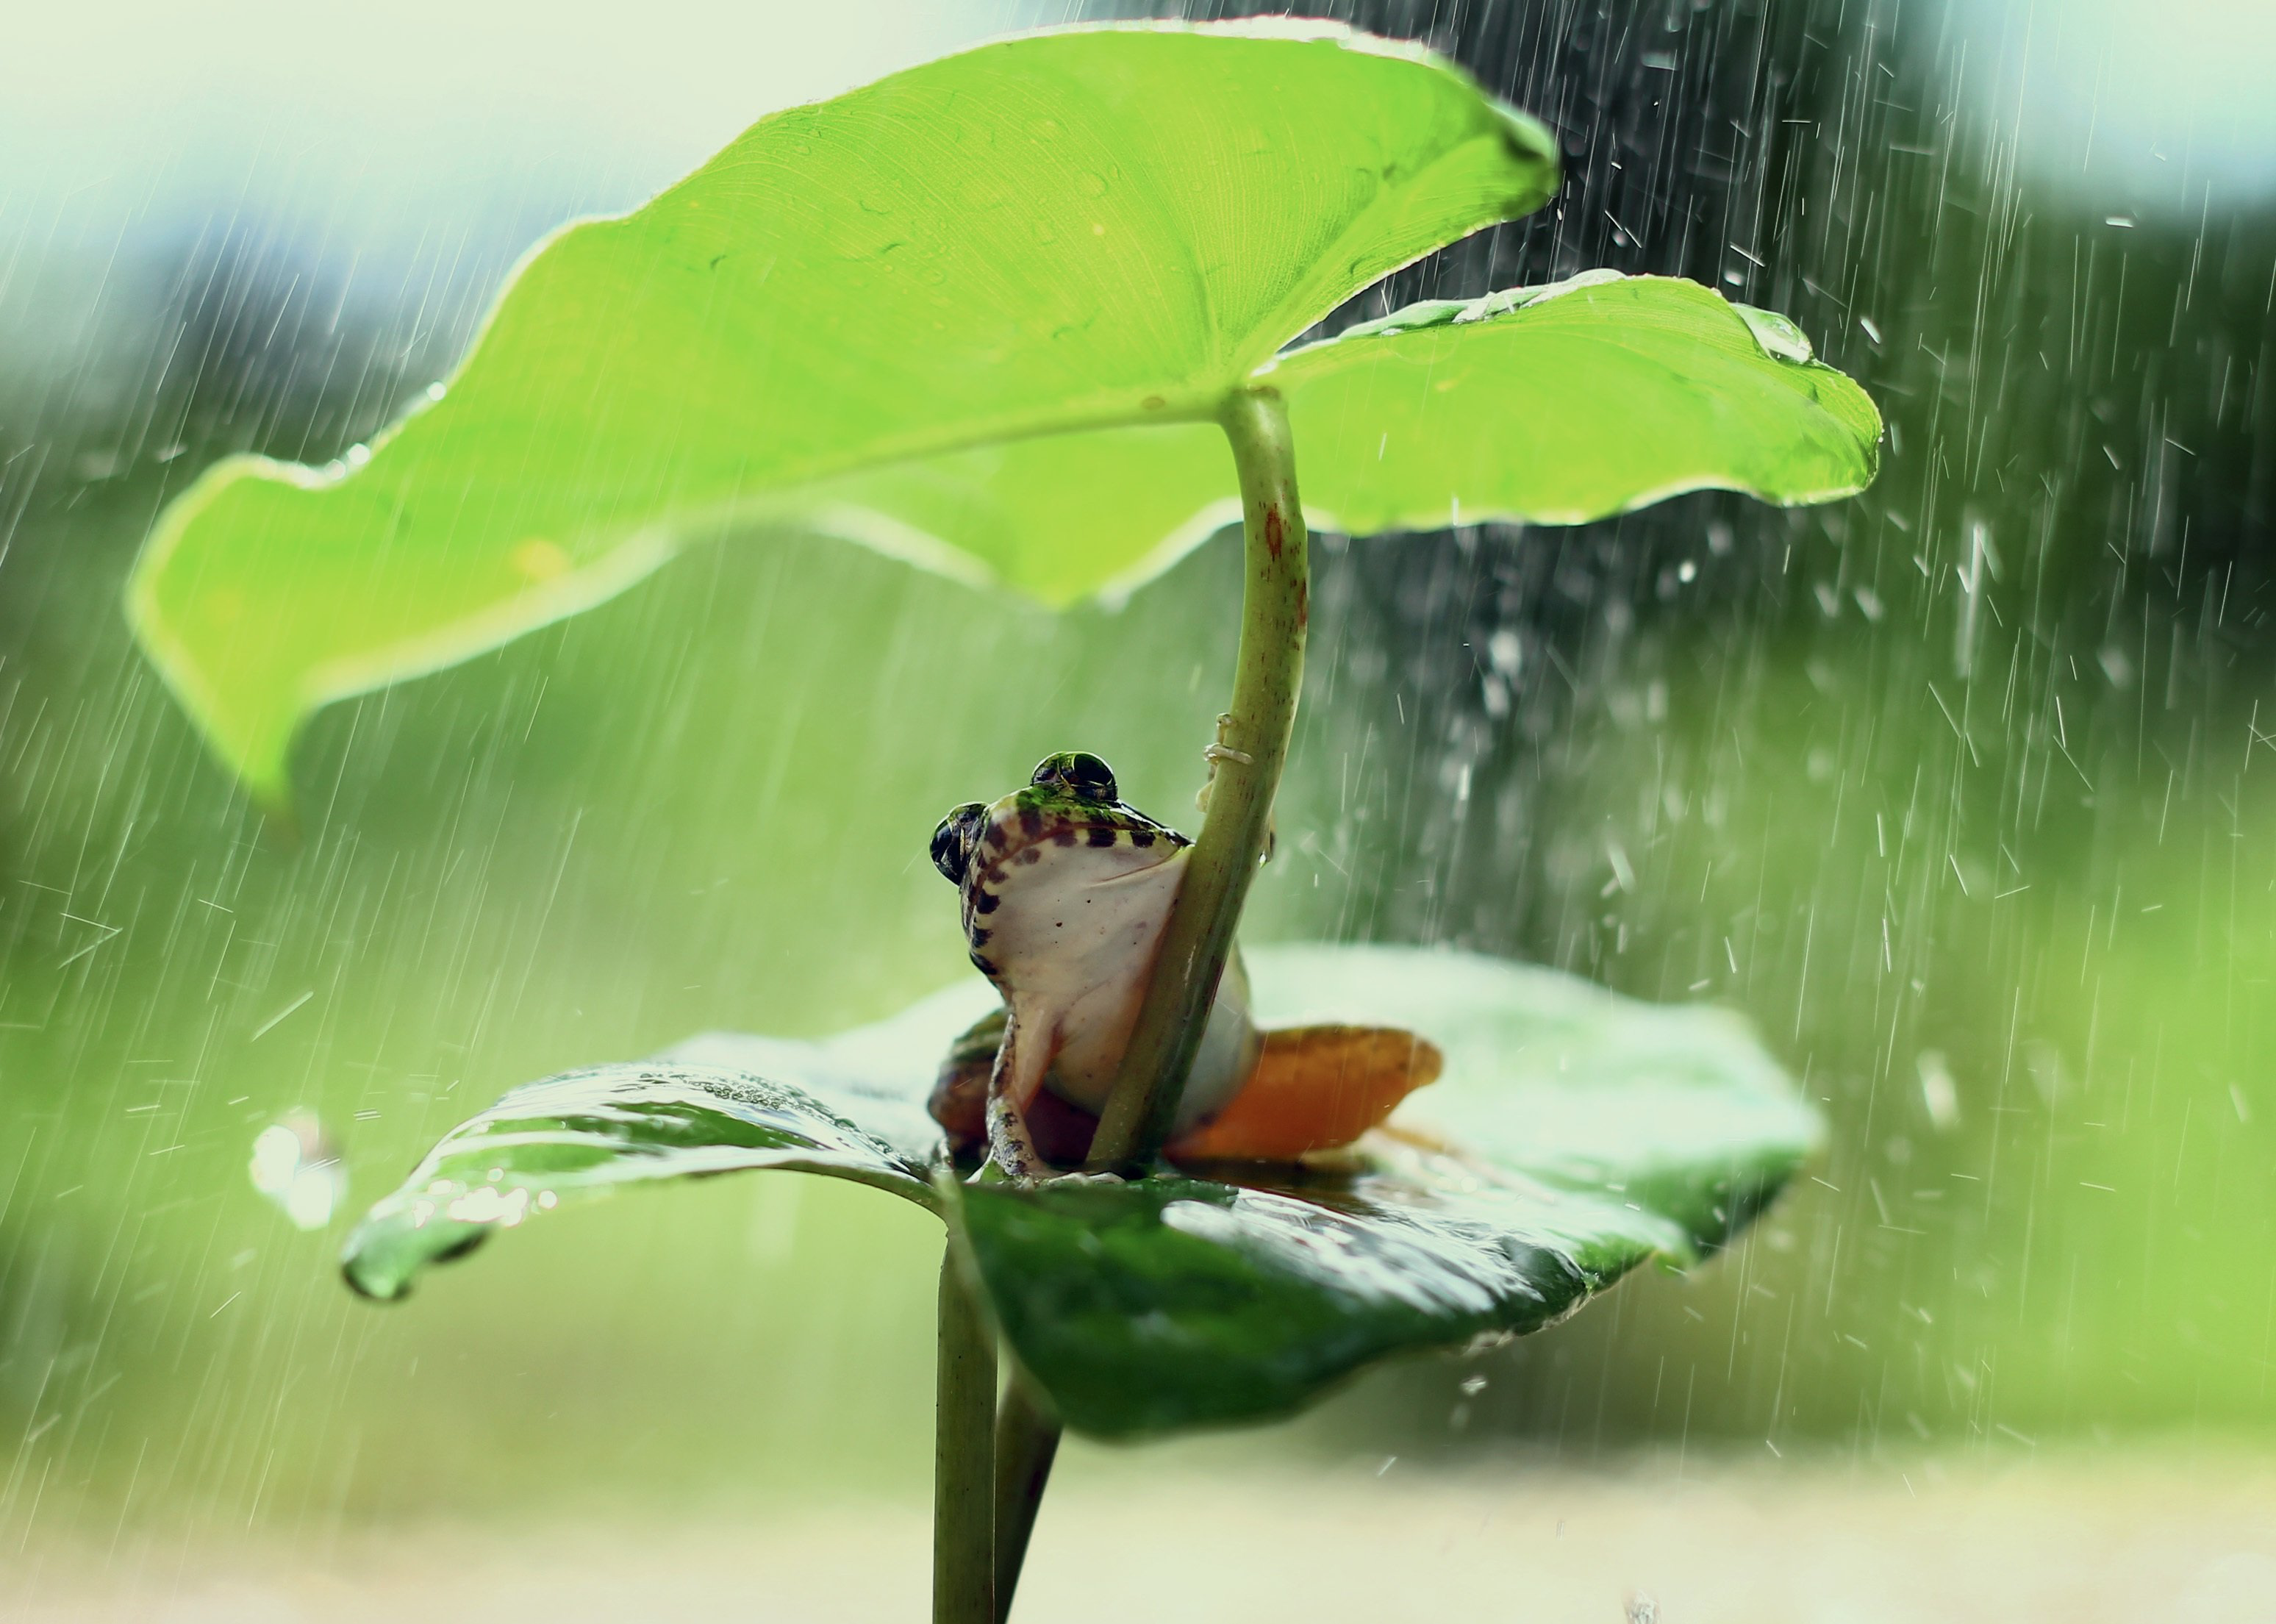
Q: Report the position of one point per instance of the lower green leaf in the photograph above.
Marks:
(1171, 1303)
(717, 1103)
(1574, 1136)
(1666, 1107)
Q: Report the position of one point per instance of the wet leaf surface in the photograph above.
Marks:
(717, 1104)
(1574, 1135)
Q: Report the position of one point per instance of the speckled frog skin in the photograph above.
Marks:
(1065, 889)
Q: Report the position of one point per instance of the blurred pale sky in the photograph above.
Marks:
(157, 104)
(141, 105)
(2153, 106)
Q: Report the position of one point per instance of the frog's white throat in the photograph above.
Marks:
(1071, 940)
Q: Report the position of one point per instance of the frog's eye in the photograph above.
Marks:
(1078, 773)
(952, 841)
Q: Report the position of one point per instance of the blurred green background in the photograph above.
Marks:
(1963, 791)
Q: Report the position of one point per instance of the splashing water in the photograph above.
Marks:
(297, 1167)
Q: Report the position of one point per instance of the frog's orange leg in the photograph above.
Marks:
(1021, 1064)
(1313, 1089)
(959, 1092)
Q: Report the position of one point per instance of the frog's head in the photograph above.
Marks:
(1044, 846)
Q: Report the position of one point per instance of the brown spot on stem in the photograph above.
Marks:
(1273, 537)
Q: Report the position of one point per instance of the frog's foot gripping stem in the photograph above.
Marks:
(1220, 751)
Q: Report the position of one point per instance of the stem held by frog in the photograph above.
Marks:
(1246, 762)
(964, 1458)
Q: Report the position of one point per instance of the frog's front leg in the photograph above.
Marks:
(1021, 1064)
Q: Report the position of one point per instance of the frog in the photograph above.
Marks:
(1064, 889)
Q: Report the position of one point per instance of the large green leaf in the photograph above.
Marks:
(1074, 228)
(1556, 404)
(1574, 1135)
